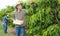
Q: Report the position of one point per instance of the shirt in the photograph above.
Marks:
(5, 19)
(20, 15)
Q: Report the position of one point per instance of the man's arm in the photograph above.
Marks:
(13, 15)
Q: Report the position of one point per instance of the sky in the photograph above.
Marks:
(4, 3)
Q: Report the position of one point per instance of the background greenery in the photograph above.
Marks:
(42, 17)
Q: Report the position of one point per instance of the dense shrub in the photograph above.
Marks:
(42, 17)
(53, 30)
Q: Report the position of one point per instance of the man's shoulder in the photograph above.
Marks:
(14, 10)
(23, 9)
(5, 16)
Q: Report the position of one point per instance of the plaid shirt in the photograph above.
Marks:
(20, 15)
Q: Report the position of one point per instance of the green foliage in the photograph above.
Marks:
(53, 30)
(9, 10)
(42, 17)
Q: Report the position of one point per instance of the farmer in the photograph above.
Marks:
(19, 16)
(5, 22)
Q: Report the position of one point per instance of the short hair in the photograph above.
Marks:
(18, 5)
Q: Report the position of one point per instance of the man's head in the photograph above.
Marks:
(19, 6)
(7, 14)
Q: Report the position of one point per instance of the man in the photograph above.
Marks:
(19, 14)
(5, 22)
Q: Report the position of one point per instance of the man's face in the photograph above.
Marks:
(7, 14)
(19, 6)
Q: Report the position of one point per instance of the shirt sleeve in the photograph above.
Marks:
(5, 19)
(13, 15)
(24, 11)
